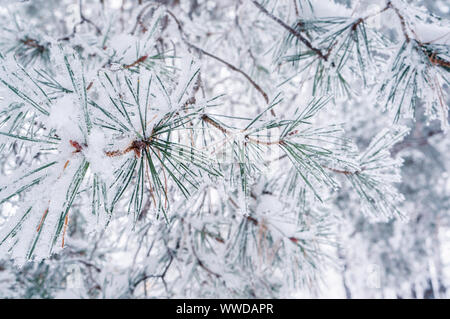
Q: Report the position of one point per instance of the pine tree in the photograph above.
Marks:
(222, 149)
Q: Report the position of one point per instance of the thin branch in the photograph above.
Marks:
(161, 276)
(414, 142)
(213, 123)
(292, 31)
(432, 56)
(402, 20)
(199, 261)
(138, 61)
(140, 16)
(33, 44)
(334, 170)
(229, 65)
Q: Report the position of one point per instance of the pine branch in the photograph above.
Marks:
(229, 65)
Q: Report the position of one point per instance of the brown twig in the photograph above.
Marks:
(199, 261)
(140, 16)
(83, 19)
(334, 170)
(213, 123)
(292, 31)
(296, 8)
(76, 145)
(255, 222)
(136, 146)
(140, 60)
(229, 65)
(435, 60)
(42, 220)
(402, 20)
(304, 40)
(66, 222)
(210, 121)
(344, 172)
(33, 44)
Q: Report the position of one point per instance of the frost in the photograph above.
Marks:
(222, 149)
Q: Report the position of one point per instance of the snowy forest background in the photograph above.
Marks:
(223, 149)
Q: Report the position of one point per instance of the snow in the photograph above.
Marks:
(432, 33)
(307, 198)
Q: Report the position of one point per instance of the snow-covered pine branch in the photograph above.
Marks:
(218, 152)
